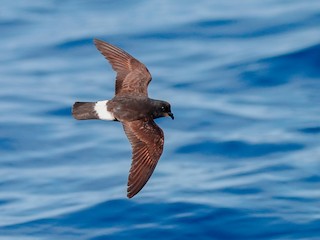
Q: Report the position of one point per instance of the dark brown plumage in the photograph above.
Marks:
(132, 76)
(134, 109)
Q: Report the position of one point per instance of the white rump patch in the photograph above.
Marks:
(102, 112)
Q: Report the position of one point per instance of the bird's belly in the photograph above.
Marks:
(123, 113)
(128, 109)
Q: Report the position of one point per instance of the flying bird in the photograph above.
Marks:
(132, 107)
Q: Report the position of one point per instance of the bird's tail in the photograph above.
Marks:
(84, 110)
(91, 110)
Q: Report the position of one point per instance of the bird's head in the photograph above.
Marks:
(163, 110)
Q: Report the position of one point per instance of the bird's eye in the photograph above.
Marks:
(163, 108)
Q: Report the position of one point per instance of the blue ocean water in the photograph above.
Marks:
(241, 158)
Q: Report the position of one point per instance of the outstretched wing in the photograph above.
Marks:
(147, 140)
(132, 76)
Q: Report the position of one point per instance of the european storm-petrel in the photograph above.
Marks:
(134, 109)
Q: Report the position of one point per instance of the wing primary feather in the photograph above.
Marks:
(132, 76)
(146, 139)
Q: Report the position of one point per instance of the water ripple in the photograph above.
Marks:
(241, 159)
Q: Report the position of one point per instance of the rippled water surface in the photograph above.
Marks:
(241, 159)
